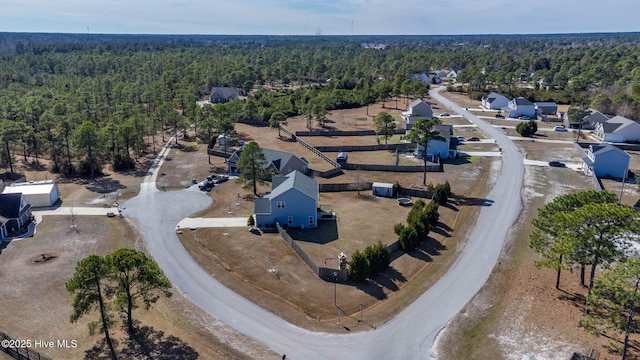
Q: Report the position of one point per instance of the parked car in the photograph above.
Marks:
(444, 114)
(219, 179)
(206, 185)
(473, 138)
(460, 138)
(556, 163)
(499, 116)
(559, 128)
(524, 117)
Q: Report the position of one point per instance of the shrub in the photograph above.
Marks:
(250, 221)
(527, 128)
(358, 267)
(432, 214)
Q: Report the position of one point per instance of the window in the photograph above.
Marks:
(311, 220)
(290, 219)
(280, 204)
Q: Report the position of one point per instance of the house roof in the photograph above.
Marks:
(492, 96)
(600, 149)
(595, 117)
(10, 205)
(617, 123)
(416, 103)
(445, 130)
(546, 104)
(31, 187)
(262, 206)
(224, 92)
(522, 101)
(296, 180)
(278, 158)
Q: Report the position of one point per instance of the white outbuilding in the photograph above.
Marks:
(38, 193)
(382, 189)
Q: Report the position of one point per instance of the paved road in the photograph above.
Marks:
(410, 335)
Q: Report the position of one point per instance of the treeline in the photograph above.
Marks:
(84, 104)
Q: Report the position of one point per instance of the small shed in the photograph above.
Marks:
(382, 189)
(38, 193)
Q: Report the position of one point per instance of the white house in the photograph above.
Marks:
(606, 160)
(292, 202)
(494, 101)
(618, 129)
(417, 110)
(453, 74)
(519, 107)
(38, 193)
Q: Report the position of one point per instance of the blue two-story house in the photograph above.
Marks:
(292, 202)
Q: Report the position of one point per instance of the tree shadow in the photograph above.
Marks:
(461, 159)
(372, 288)
(388, 279)
(105, 186)
(326, 232)
(100, 350)
(470, 201)
(148, 343)
(427, 250)
(577, 300)
(441, 229)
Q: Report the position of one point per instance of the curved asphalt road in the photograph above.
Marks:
(410, 335)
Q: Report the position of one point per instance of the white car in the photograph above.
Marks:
(559, 128)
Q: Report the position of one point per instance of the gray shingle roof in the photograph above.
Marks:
(522, 101)
(299, 181)
(10, 205)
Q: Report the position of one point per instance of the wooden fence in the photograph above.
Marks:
(222, 154)
(391, 168)
(322, 272)
(345, 187)
(336, 167)
(287, 238)
(344, 133)
(20, 353)
(347, 148)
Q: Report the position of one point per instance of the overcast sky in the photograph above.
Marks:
(328, 17)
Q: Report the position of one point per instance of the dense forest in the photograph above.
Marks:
(84, 101)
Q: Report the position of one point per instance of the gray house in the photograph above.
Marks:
(278, 162)
(519, 107)
(222, 94)
(15, 213)
(546, 108)
(589, 122)
(417, 110)
(292, 202)
(618, 129)
(606, 160)
(494, 101)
